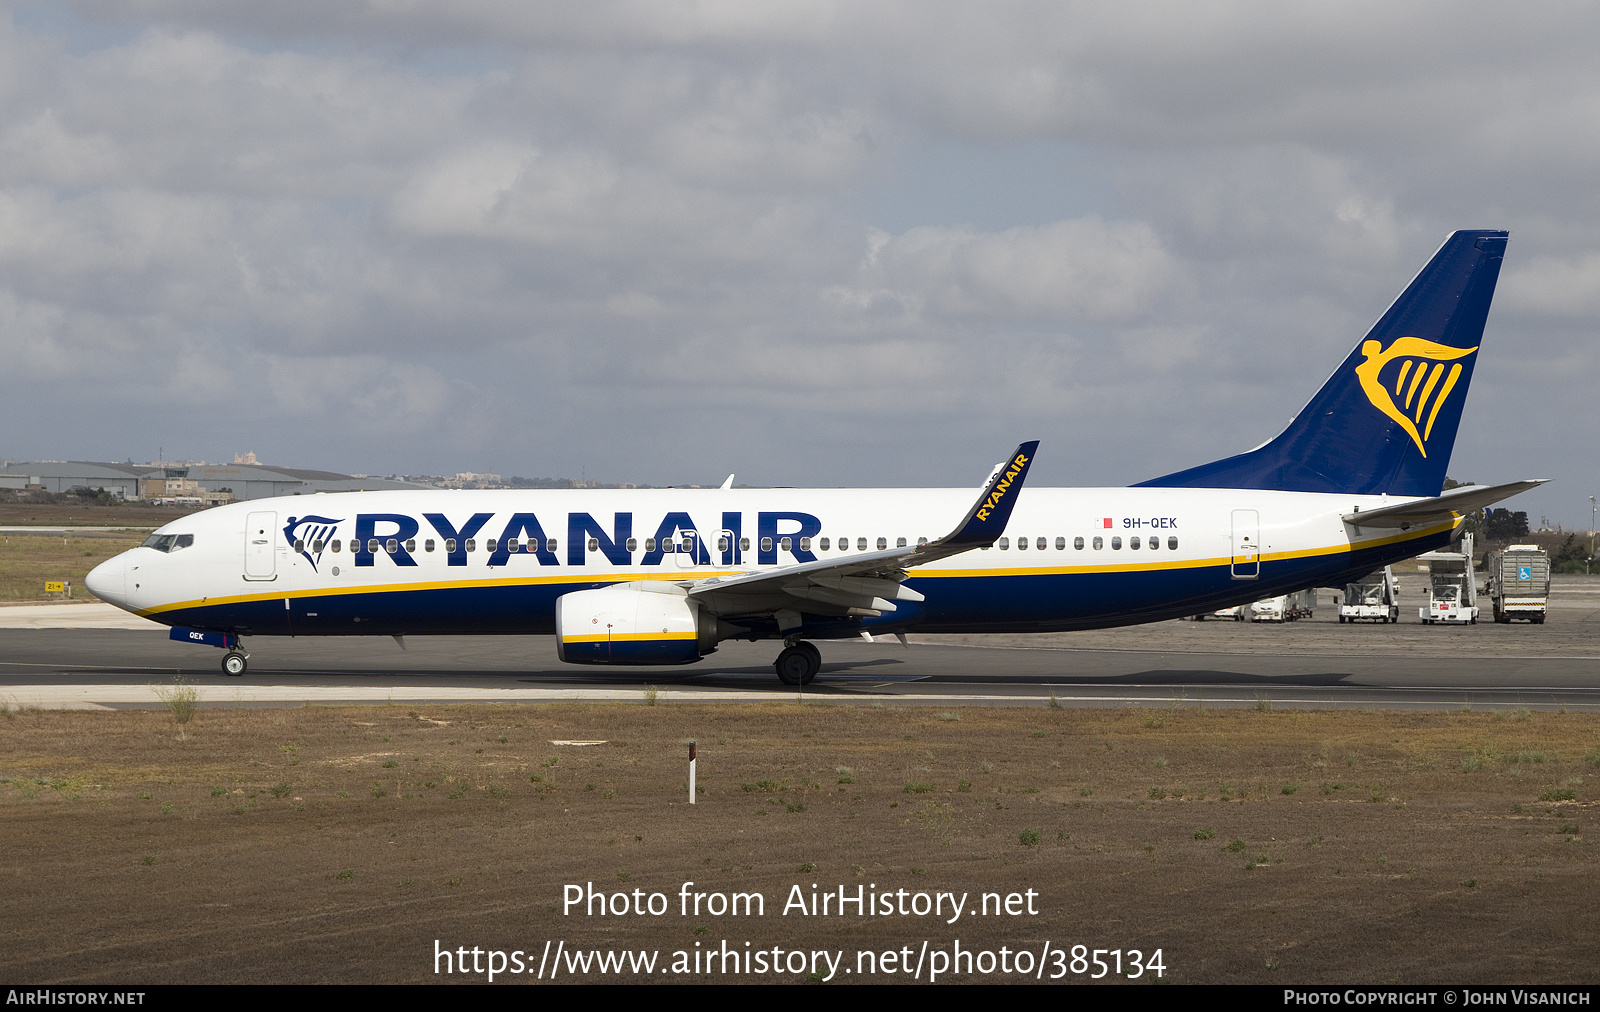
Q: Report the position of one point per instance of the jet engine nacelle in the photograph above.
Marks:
(634, 623)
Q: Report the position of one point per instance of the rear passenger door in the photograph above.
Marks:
(1246, 544)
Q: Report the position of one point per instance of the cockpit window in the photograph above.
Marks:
(168, 542)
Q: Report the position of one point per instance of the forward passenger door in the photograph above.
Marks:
(260, 560)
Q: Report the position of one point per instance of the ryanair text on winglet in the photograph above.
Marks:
(1001, 487)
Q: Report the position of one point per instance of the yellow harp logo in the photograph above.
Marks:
(1423, 391)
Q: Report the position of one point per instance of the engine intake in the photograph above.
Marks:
(634, 623)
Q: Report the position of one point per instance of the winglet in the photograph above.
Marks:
(987, 519)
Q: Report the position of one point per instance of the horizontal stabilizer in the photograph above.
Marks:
(1454, 503)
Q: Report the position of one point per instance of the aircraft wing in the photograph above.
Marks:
(869, 583)
(1454, 503)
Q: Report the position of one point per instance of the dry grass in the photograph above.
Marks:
(365, 833)
(26, 562)
(77, 514)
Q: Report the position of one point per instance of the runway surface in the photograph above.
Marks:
(114, 660)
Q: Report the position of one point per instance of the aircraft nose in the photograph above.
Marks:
(109, 580)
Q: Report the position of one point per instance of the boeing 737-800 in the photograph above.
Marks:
(660, 576)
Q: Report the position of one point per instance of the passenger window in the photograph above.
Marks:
(899, 542)
(1004, 543)
(744, 544)
(1116, 544)
(668, 547)
(1022, 544)
(785, 544)
(649, 544)
(299, 545)
(1155, 543)
(1039, 544)
(722, 544)
(823, 544)
(1077, 543)
(861, 544)
(316, 545)
(391, 546)
(372, 546)
(594, 544)
(1099, 543)
(805, 544)
(1061, 544)
(472, 544)
(551, 544)
(489, 544)
(766, 544)
(336, 545)
(1133, 542)
(411, 544)
(633, 545)
(922, 542)
(428, 545)
(883, 543)
(1172, 543)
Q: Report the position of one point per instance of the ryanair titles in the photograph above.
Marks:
(395, 535)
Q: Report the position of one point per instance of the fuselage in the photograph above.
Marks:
(494, 562)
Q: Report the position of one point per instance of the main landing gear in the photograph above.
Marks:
(234, 663)
(798, 663)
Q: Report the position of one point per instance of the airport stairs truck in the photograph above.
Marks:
(1452, 593)
(1519, 583)
(1373, 598)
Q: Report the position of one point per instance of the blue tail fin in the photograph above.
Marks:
(1386, 422)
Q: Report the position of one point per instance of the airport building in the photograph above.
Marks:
(187, 480)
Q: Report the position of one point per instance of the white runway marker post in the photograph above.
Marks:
(691, 773)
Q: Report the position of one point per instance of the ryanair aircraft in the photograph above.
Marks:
(662, 576)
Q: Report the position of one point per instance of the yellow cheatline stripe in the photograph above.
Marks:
(1186, 563)
(629, 637)
(697, 575)
(391, 588)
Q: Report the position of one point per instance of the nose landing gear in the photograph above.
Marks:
(798, 664)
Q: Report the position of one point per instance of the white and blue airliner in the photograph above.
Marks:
(661, 576)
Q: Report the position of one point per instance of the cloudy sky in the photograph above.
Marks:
(812, 243)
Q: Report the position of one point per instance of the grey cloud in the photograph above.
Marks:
(412, 236)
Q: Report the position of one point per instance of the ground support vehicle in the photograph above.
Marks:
(1284, 607)
(1373, 598)
(1519, 583)
(1452, 593)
